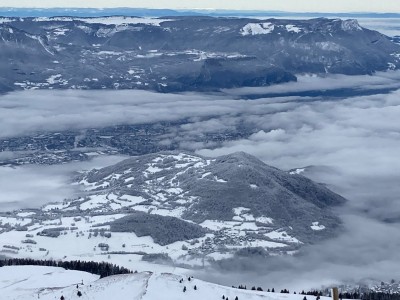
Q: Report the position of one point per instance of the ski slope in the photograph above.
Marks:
(35, 282)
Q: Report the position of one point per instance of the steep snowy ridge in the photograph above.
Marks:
(351, 25)
(16, 41)
(139, 286)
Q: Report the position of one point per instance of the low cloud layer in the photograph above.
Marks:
(366, 253)
(387, 26)
(33, 186)
(381, 80)
(352, 142)
(29, 111)
(26, 112)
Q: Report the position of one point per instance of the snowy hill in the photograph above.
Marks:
(177, 208)
(26, 282)
(32, 282)
(172, 54)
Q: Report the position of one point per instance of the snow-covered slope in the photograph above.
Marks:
(177, 207)
(45, 283)
(26, 282)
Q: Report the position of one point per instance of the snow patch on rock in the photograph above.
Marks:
(293, 28)
(257, 28)
(317, 227)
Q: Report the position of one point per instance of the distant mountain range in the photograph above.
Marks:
(192, 53)
(146, 12)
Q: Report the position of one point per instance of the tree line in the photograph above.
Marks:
(380, 296)
(103, 269)
(370, 295)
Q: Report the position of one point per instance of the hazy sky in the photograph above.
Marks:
(286, 5)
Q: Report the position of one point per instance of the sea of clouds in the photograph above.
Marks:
(352, 142)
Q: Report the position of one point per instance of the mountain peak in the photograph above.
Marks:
(182, 206)
(240, 156)
(351, 25)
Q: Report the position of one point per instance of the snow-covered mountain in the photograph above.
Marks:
(33, 282)
(177, 208)
(183, 53)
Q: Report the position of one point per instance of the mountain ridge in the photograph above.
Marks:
(174, 54)
(145, 12)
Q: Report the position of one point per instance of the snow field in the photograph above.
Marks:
(49, 283)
